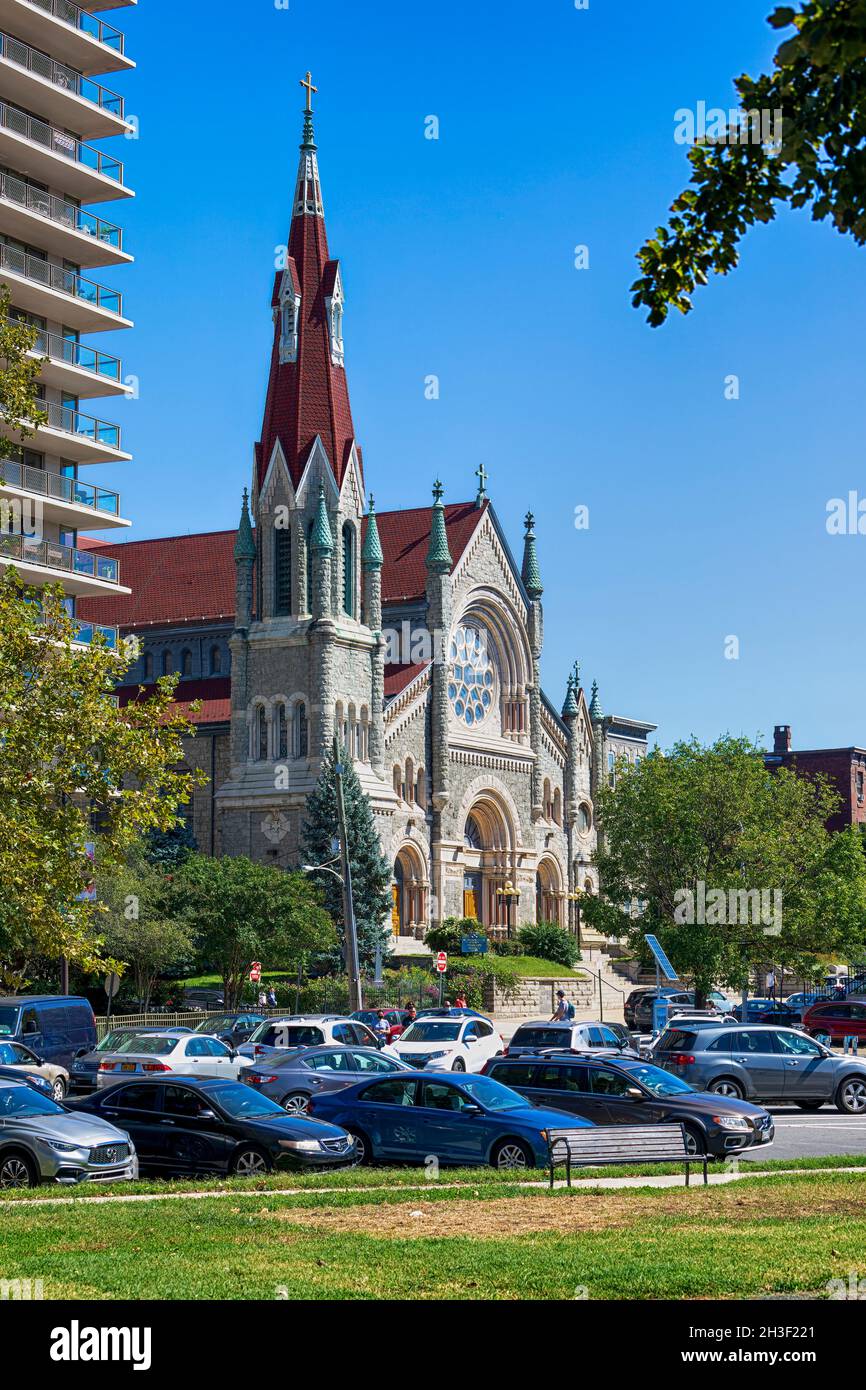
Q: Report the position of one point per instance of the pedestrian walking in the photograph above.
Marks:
(564, 1011)
(272, 998)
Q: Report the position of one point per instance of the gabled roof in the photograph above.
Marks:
(176, 579)
(398, 677)
(215, 697)
(405, 538)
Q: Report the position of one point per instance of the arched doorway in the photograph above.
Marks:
(409, 894)
(487, 863)
(548, 904)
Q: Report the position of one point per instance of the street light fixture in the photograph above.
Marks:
(510, 894)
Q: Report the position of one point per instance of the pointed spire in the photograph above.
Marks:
(309, 137)
(308, 192)
(530, 573)
(371, 554)
(245, 545)
(596, 713)
(570, 708)
(438, 556)
(321, 539)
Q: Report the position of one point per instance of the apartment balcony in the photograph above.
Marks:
(86, 634)
(81, 572)
(70, 435)
(78, 368)
(59, 228)
(72, 35)
(41, 151)
(67, 501)
(61, 95)
(62, 295)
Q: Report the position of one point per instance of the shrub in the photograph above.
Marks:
(550, 942)
(449, 935)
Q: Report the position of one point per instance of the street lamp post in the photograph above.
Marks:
(575, 897)
(510, 894)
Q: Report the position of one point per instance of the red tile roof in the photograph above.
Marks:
(405, 537)
(214, 696)
(398, 677)
(177, 579)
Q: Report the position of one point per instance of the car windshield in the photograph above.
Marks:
(241, 1102)
(151, 1043)
(23, 1103)
(661, 1083)
(287, 1035)
(492, 1094)
(214, 1025)
(428, 1031)
(112, 1040)
(541, 1037)
(8, 1020)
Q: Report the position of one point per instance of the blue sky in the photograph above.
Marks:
(707, 516)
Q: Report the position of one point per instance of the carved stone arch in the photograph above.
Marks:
(550, 878)
(482, 789)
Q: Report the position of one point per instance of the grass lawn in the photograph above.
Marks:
(490, 1239)
(542, 969)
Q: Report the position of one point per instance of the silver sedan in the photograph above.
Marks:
(42, 1142)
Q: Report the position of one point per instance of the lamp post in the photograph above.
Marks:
(575, 897)
(510, 894)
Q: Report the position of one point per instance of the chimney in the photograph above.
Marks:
(782, 738)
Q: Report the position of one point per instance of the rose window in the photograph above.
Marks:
(472, 680)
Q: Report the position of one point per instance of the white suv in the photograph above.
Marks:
(449, 1044)
(310, 1030)
(578, 1037)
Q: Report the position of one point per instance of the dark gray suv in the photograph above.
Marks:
(763, 1063)
(292, 1077)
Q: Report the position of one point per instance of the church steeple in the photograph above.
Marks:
(531, 573)
(308, 396)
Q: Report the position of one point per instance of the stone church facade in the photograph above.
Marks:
(412, 635)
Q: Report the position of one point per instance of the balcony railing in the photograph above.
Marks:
(52, 555)
(55, 277)
(28, 195)
(86, 632)
(60, 142)
(23, 56)
(63, 417)
(75, 354)
(80, 19)
(57, 488)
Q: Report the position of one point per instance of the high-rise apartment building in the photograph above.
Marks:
(59, 254)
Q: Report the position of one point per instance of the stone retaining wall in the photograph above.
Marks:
(536, 998)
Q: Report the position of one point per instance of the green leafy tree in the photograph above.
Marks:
(137, 928)
(549, 941)
(168, 849)
(75, 769)
(716, 820)
(371, 872)
(240, 911)
(19, 375)
(819, 86)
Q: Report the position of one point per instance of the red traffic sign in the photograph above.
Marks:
(255, 972)
(442, 962)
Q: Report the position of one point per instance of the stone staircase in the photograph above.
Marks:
(608, 988)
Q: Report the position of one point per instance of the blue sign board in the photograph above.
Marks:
(473, 945)
(661, 1008)
(661, 959)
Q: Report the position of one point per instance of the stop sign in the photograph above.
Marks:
(442, 962)
(255, 972)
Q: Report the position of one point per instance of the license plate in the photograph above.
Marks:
(127, 1066)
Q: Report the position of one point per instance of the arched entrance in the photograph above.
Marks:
(409, 894)
(548, 902)
(488, 863)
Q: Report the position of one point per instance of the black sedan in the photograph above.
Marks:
(618, 1091)
(182, 1125)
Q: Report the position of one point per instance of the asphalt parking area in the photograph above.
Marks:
(821, 1134)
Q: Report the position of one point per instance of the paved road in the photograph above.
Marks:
(799, 1135)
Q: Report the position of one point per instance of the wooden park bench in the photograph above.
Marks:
(609, 1145)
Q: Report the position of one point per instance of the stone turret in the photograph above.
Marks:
(439, 565)
(322, 546)
(531, 576)
(596, 714)
(372, 561)
(571, 715)
(245, 559)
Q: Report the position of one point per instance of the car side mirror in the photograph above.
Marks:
(472, 1110)
(207, 1115)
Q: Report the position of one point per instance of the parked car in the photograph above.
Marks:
(580, 1037)
(631, 1003)
(768, 1011)
(83, 1072)
(40, 1141)
(448, 1011)
(309, 1030)
(802, 1001)
(200, 1125)
(449, 1044)
(149, 1054)
(31, 1078)
(20, 1059)
(837, 1021)
(293, 1077)
(465, 1120)
(623, 1091)
(202, 999)
(764, 1063)
(54, 1026)
(370, 1017)
(232, 1029)
(643, 1013)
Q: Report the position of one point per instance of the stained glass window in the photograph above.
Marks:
(472, 679)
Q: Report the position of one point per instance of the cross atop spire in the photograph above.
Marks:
(309, 137)
(576, 675)
(482, 475)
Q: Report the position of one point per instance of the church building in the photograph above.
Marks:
(413, 635)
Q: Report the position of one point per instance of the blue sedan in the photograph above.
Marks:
(457, 1119)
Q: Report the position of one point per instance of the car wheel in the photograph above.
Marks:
(58, 1090)
(17, 1170)
(511, 1154)
(808, 1104)
(458, 1064)
(726, 1087)
(297, 1103)
(250, 1163)
(363, 1147)
(695, 1141)
(851, 1096)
